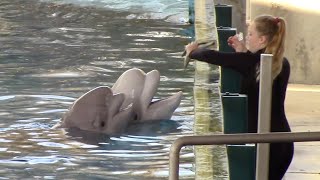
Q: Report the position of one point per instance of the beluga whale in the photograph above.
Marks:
(130, 99)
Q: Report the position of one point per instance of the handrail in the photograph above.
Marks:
(243, 138)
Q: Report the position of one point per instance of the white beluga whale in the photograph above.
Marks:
(141, 94)
(111, 110)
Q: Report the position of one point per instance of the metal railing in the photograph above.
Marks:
(244, 138)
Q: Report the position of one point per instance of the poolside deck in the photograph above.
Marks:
(303, 113)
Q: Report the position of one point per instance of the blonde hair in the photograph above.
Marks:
(274, 28)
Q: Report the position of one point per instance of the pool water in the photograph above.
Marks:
(53, 51)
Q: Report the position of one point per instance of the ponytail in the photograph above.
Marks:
(275, 30)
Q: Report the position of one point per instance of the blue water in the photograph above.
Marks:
(52, 52)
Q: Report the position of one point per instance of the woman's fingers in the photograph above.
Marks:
(236, 43)
(190, 47)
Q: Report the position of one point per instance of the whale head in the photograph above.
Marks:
(98, 110)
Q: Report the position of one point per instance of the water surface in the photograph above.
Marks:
(54, 51)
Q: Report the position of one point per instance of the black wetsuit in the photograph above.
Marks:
(246, 63)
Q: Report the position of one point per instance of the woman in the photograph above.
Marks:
(266, 34)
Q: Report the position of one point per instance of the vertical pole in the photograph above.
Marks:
(248, 10)
(174, 161)
(264, 116)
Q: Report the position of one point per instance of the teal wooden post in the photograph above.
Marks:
(235, 113)
(242, 161)
(229, 79)
(224, 15)
(241, 158)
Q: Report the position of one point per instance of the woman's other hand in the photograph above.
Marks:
(237, 43)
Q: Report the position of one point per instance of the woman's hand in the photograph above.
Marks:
(237, 43)
(190, 47)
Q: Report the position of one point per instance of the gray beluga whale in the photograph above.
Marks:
(111, 110)
(141, 92)
(131, 84)
(98, 110)
(146, 109)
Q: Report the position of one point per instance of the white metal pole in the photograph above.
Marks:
(264, 116)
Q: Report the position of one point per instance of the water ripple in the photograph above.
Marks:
(52, 53)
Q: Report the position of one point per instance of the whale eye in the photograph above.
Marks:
(102, 124)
